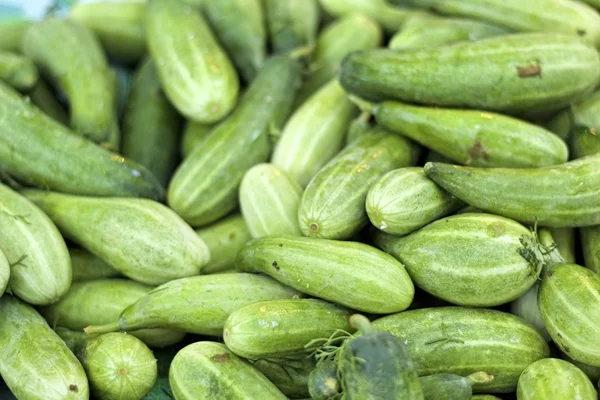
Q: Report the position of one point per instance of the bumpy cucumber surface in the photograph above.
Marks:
(291, 23)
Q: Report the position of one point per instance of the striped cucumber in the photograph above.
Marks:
(42, 97)
(333, 204)
(18, 71)
(142, 239)
(405, 199)
(196, 74)
(590, 243)
(527, 307)
(559, 196)
(12, 31)
(389, 17)
(351, 274)
(88, 267)
(290, 376)
(269, 200)
(291, 23)
(592, 372)
(450, 386)
(205, 186)
(463, 341)
(4, 273)
(193, 133)
(584, 142)
(580, 114)
(224, 238)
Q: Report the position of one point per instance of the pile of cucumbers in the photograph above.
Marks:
(326, 199)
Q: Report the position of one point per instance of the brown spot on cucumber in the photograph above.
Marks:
(220, 358)
(73, 388)
(530, 71)
(123, 371)
(496, 229)
(314, 227)
(477, 151)
(275, 265)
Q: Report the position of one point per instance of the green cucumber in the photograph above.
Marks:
(565, 243)
(569, 300)
(389, 17)
(584, 142)
(508, 69)
(206, 370)
(450, 386)
(117, 25)
(208, 302)
(239, 25)
(562, 196)
(333, 204)
(404, 200)
(34, 362)
(70, 55)
(290, 376)
(580, 114)
(590, 243)
(592, 372)
(151, 125)
(463, 341)
(314, 133)
(196, 74)
(205, 186)
(527, 307)
(36, 252)
(351, 274)
(18, 71)
(291, 23)
(12, 32)
(360, 126)
(323, 382)
(269, 200)
(445, 259)
(193, 133)
(140, 238)
(552, 378)
(88, 267)
(42, 97)
(4, 273)
(485, 397)
(282, 328)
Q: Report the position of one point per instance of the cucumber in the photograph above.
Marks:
(4, 273)
(405, 199)
(205, 370)
(351, 274)
(36, 252)
(522, 194)
(151, 125)
(463, 341)
(12, 31)
(282, 328)
(290, 376)
(34, 362)
(450, 386)
(88, 267)
(552, 378)
(569, 301)
(333, 204)
(291, 23)
(196, 74)
(209, 301)
(42, 97)
(505, 68)
(565, 243)
(18, 71)
(389, 17)
(314, 133)
(154, 245)
(581, 114)
(205, 186)
(323, 382)
(117, 25)
(485, 397)
(70, 55)
(446, 259)
(240, 27)
(527, 307)
(193, 133)
(584, 142)
(590, 243)
(592, 372)
(360, 126)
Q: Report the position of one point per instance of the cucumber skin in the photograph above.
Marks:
(290, 376)
(446, 387)
(291, 23)
(581, 114)
(11, 34)
(389, 17)
(4, 272)
(18, 71)
(42, 97)
(425, 330)
(88, 267)
(234, 146)
(193, 133)
(527, 307)
(332, 270)
(590, 243)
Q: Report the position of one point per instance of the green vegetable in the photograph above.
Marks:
(291, 376)
(12, 31)
(590, 243)
(583, 113)
(4, 273)
(592, 372)
(565, 242)
(291, 23)
(193, 133)
(584, 142)
(18, 71)
(88, 267)
(527, 307)
(359, 127)
(485, 397)
(42, 97)
(450, 386)
(391, 18)
(323, 382)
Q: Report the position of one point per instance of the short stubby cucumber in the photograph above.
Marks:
(391, 18)
(527, 307)
(562, 196)
(405, 199)
(590, 243)
(478, 259)
(36, 252)
(193, 133)
(18, 71)
(450, 386)
(88, 267)
(12, 31)
(333, 204)
(291, 376)
(552, 378)
(463, 341)
(205, 186)
(517, 74)
(351, 274)
(584, 113)
(569, 300)
(4, 273)
(269, 200)
(291, 23)
(34, 362)
(43, 97)
(140, 238)
(282, 328)
(205, 370)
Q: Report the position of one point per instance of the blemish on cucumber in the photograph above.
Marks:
(220, 358)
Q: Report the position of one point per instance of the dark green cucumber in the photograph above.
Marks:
(590, 243)
(323, 382)
(18, 71)
(88, 267)
(291, 23)
(450, 386)
(42, 97)
(12, 31)
(291, 376)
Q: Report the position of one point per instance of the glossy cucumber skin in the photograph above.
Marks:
(290, 376)
(527, 307)
(4, 272)
(590, 243)
(42, 97)
(12, 32)
(569, 300)
(333, 204)
(204, 187)
(154, 244)
(500, 67)
(291, 23)
(88, 267)
(561, 196)
(34, 362)
(391, 18)
(193, 133)
(196, 74)
(351, 274)
(18, 71)
(151, 125)
(583, 114)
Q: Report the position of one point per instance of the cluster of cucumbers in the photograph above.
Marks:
(325, 199)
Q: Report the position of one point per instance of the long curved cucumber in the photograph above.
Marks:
(18, 71)
(291, 23)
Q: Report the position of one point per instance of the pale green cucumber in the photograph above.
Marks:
(269, 200)
(314, 133)
(590, 244)
(12, 32)
(391, 18)
(88, 267)
(291, 23)
(18, 71)
(592, 372)
(224, 238)
(584, 142)
(405, 199)
(193, 133)
(463, 341)
(584, 113)
(485, 397)
(282, 328)
(34, 362)
(205, 186)
(527, 307)
(4, 273)
(351, 274)
(196, 74)
(208, 302)
(565, 243)
(142, 239)
(42, 97)
(562, 196)
(290, 376)
(208, 370)
(333, 204)
(593, 3)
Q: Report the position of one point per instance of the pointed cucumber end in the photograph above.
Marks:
(361, 323)
(364, 105)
